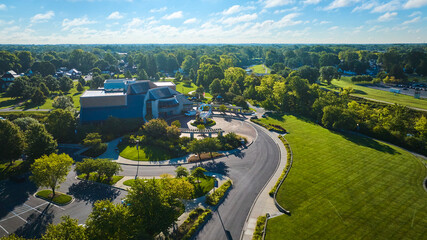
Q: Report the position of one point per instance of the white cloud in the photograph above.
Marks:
(3, 6)
(288, 20)
(414, 20)
(42, 17)
(190, 21)
(333, 28)
(136, 22)
(277, 3)
(417, 13)
(232, 10)
(387, 16)
(387, 7)
(415, 4)
(243, 18)
(174, 15)
(340, 3)
(309, 2)
(67, 23)
(115, 15)
(365, 6)
(324, 22)
(286, 10)
(154, 10)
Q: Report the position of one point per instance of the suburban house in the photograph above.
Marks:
(124, 98)
(7, 79)
(73, 73)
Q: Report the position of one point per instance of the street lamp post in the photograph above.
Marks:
(137, 149)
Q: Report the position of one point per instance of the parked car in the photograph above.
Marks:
(254, 117)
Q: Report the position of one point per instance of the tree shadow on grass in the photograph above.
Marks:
(92, 192)
(215, 167)
(368, 142)
(13, 194)
(36, 223)
(357, 91)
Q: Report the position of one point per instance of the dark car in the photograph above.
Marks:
(254, 117)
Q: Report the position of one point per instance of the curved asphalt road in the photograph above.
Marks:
(249, 175)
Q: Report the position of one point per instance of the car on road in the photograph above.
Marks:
(254, 117)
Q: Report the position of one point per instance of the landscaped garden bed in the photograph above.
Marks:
(59, 198)
(94, 177)
(204, 156)
(209, 122)
(214, 198)
(194, 221)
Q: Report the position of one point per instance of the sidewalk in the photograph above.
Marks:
(264, 203)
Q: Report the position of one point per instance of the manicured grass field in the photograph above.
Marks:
(147, 153)
(260, 69)
(60, 198)
(345, 186)
(94, 177)
(6, 102)
(376, 94)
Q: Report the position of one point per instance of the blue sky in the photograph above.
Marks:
(212, 21)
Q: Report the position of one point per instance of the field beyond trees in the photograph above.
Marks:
(345, 186)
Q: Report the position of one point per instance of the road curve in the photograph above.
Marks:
(249, 175)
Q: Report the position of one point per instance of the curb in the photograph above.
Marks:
(58, 204)
(84, 180)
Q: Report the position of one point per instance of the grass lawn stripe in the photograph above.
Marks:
(374, 187)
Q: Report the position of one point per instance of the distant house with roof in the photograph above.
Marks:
(8, 79)
(123, 98)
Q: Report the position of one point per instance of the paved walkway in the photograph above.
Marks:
(264, 203)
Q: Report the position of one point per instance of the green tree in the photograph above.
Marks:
(18, 88)
(80, 87)
(309, 73)
(38, 97)
(200, 91)
(39, 141)
(11, 142)
(181, 172)
(196, 146)
(8, 61)
(96, 82)
(61, 124)
(87, 166)
(63, 102)
(328, 73)
(211, 145)
(96, 71)
(198, 173)
(107, 169)
(24, 122)
(109, 221)
(44, 89)
(67, 229)
(421, 126)
(52, 83)
(176, 123)
(241, 102)
(65, 84)
(25, 60)
(51, 170)
(222, 108)
(215, 87)
(128, 75)
(142, 74)
(82, 81)
(44, 68)
(151, 209)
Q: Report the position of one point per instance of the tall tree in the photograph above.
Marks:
(51, 170)
(67, 229)
(65, 84)
(61, 124)
(11, 141)
(328, 73)
(25, 60)
(211, 145)
(39, 141)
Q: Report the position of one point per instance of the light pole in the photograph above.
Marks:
(137, 149)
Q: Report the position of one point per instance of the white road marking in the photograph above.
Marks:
(20, 217)
(4, 229)
(32, 208)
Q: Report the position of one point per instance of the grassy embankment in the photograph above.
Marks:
(345, 186)
(366, 92)
(260, 69)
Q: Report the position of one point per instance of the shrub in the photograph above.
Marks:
(200, 220)
(259, 229)
(288, 161)
(214, 198)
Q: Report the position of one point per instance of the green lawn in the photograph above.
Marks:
(60, 198)
(260, 69)
(348, 187)
(180, 87)
(6, 102)
(367, 92)
(147, 153)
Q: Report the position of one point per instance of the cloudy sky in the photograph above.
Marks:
(212, 21)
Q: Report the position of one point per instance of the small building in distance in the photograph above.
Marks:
(124, 98)
(7, 79)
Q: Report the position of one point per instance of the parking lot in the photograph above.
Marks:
(28, 217)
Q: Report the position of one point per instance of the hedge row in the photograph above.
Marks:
(288, 150)
(259, 229)
(214, 198)
(198, 223)
(270, 127)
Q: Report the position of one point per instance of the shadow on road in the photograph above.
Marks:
(37, 223)
(92, 192)
(13, 194)
(215, 167)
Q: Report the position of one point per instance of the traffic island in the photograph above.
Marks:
(59, 198)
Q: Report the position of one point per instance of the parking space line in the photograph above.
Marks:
(4, 229)
(20, 217)
(32, 208)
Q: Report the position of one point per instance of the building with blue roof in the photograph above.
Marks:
(123, 98)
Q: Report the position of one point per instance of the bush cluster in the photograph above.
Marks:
(259, 229)
(361, 78)
(288, 161)
(230, 141)
(270, 127)
(197, 223)
(214, 198)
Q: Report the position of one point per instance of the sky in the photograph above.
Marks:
(212, 21)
